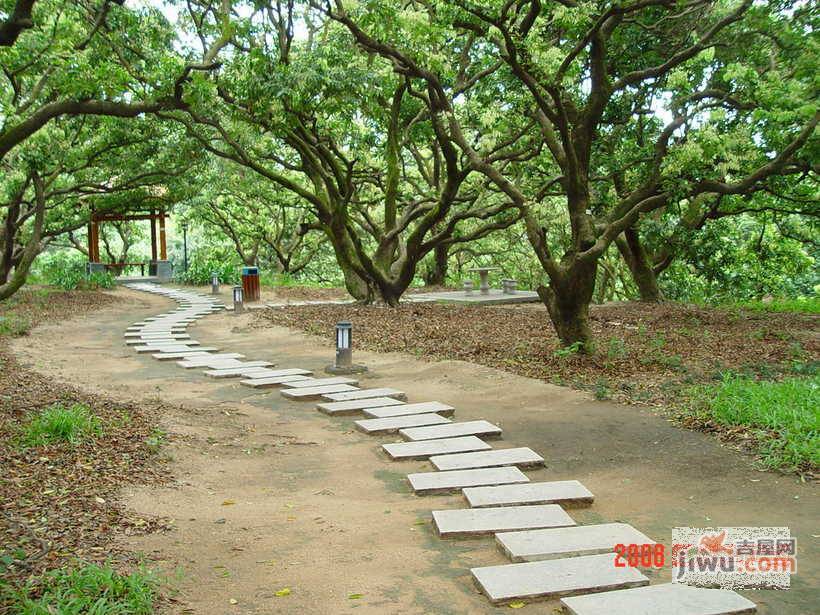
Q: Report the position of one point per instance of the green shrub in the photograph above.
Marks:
(60, 423)
(67, 270)
(783, 417)
(82, 590)
(14, 325)
(204, 261)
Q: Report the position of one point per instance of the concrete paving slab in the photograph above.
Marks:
(153, 348)
(321, 382)
(366, 394)
(429, 483)
(316, 392)
(173, 356)
(453, 430)
(553, 578)
(523, 457)
(538, 545)
(674, 598)
(270, 382)
(215, 361)
(233, 372)
(564, 492)
(467, 522)
(288, 371)
(399, 451)
(393, 424)
(334, 408)
(383, 412)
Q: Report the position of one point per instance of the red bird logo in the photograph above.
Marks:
(714, 544)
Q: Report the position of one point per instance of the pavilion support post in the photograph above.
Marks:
(163, 250)
(153, 238)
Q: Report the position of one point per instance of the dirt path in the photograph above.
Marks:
(272, 494)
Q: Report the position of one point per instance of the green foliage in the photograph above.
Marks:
(14, 325)
(60, 423)
(205, 260)
(782, 417)
(568, 351)
(84, 589)
(797, 305)
(67, 270)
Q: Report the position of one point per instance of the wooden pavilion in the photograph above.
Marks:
(157, 266)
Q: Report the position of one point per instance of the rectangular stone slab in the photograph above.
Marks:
(428, 483)
(453, 430)
(365, 394)
(351, 407)
(523, 457)
(233, 372)
(165, 341)
(465, 522)
(173, 356)
(245, 365)
(425, 448)
(153, 348)
(288, 371)
(313, 392)
(393, 424)
(321, 382)
(270, 382)
(674, 598)
(538, 545)
(216, 363)
(554, 578)
(564, 492)
(383, 412)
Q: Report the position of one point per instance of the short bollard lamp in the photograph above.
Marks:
(214, 283)
(237, 299)
(344, 351)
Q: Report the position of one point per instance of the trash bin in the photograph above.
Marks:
(250, 283)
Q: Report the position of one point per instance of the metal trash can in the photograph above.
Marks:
(250, 283)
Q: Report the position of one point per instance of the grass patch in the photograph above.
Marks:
(783, 418)
(14, 325)
(797, 305)
(60, 423)
(84, 589)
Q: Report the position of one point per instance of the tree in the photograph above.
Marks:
(354, 143)
(637, 106)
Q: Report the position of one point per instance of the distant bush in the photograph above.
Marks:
(204, 261)
(60, 423)
(67, 270)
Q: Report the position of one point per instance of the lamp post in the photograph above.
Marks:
(214, 283)
(344, 351)
(237, 300)
(184, 226)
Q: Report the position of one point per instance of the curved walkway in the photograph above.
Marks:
(554, 556)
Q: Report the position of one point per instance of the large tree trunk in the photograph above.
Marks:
(635, 257)
(32, 249)
(567, 300)
(436, 275)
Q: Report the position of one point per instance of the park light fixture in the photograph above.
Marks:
(214, 283)
(237, 299)
(344, 351)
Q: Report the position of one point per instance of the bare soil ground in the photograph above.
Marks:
(62, 501)
(270, 494)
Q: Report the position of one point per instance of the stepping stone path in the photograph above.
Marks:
(571, 541)
(559, 559)
(553, 578)
(523, 457)
(564, 492)
(480, 521)
(427, 448)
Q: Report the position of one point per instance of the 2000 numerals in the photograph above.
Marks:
(650, 555)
